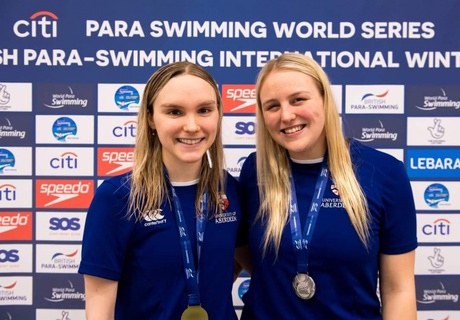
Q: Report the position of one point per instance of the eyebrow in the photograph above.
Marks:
(175, 105)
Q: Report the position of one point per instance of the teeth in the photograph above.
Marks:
(292, 130)
(189, 141)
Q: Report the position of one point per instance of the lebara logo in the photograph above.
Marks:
(63, 128)
(436, 194)
(239, 98)
(441, 101)
(41, 24)
(7, 160)
(125, 96)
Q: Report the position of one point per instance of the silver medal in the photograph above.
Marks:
(304, 286)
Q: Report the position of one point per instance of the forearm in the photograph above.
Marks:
(399, 305)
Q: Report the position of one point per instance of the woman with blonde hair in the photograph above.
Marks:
(159, 241)
(327, 218)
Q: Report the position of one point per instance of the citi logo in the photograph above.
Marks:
(128, 129)
(67, 160)
(41, 24)
(438, 227)
(7, 192)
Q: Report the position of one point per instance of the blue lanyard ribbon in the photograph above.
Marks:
(301, 241)
(191, 273)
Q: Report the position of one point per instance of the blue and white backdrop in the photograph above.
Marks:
(71, 77)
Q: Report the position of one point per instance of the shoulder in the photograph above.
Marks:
(248, 169)
(116, 186)
(365, 155)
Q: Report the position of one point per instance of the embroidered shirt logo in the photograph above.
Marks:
(154, 217)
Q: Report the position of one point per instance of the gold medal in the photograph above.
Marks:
(194, 313)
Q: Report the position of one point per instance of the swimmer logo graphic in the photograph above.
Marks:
(436, 194)
(64, 128)
(126, 97)
(7, 161)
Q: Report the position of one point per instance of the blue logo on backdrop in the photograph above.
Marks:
(438, 293)
(243, 288)
(62, 98)
(386, 132)
(15, 130)
(433, 163)
(245, 128)
(436, 193)
(7, 160)
(125, 96)
(63, 128)
(433, 100)
(59, 291)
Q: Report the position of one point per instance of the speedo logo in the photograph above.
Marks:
(154, 217)
(64, 193)
(113, 161)
(239, 98)
(15, 226)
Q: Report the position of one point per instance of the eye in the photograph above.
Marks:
(297, 100)
(174, 112)
(205, 110)
(271, 107)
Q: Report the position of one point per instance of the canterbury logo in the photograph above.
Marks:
(154, 215)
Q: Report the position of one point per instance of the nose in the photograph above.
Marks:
(191, 125)
(287, 113)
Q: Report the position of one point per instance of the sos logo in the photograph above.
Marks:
(65, 224)
(9, 255)
(245, 127)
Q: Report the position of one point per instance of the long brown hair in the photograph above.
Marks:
(148, 183)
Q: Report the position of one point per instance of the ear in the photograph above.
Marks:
(151, 124)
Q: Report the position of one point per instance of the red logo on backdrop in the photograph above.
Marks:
(15, 226)
(114, 161)
(239, 98)
(64, 193)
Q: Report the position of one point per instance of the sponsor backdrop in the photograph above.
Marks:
(71, 78)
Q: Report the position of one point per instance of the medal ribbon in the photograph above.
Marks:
(301, 241)
(191, 273)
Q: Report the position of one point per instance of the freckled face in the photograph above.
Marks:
(185, 117)
(293, 112)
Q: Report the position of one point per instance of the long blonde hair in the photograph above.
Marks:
(148, 183)
(273, 166)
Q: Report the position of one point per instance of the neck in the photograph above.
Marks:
(184, 173)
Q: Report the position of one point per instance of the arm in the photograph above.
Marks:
(100, 298)
(242, 260)
(397, 286)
